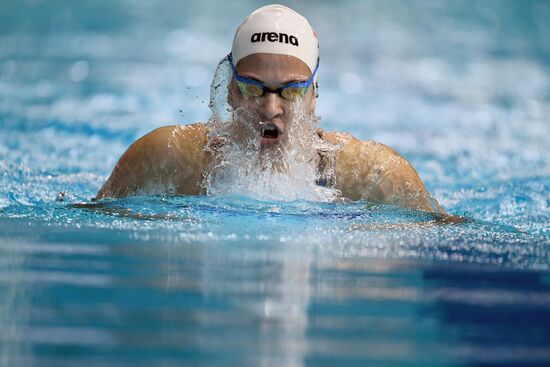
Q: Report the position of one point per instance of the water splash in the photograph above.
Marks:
(241, 166)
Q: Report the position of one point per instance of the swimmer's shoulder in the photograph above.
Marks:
(167, 156)
(365, 157)
(352, 148)
(171, 142)
(173, 134)
(359, 162)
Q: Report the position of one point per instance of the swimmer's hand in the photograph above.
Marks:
(448, 219)
(438, 219)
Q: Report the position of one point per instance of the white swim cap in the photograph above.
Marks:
(276, 29)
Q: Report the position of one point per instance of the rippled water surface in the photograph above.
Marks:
(461, 89)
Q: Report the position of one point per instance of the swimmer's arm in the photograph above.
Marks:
(166, 160)
(396, 182)
(376, 173)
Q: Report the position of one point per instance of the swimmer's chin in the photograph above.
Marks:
(270, 142)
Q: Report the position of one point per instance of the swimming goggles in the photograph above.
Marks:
(251, 88)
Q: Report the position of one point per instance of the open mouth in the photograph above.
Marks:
(270, 132)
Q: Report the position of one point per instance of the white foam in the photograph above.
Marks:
(287, 172)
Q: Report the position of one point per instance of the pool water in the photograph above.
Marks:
(462, 90)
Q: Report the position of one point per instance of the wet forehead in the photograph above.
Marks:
(273, 68)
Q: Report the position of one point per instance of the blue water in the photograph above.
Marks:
(461, 89)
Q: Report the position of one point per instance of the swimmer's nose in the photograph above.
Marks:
(271, 106)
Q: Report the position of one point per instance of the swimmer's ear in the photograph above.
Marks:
(232, 93)
(314, 99)
(316, 89)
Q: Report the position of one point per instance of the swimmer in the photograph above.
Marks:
(273, 68)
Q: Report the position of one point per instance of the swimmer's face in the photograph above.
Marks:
(271, 111)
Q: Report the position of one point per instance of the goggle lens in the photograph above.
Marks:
(293, 93)
(250, 90)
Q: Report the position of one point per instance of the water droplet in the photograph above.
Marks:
(79, 71)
